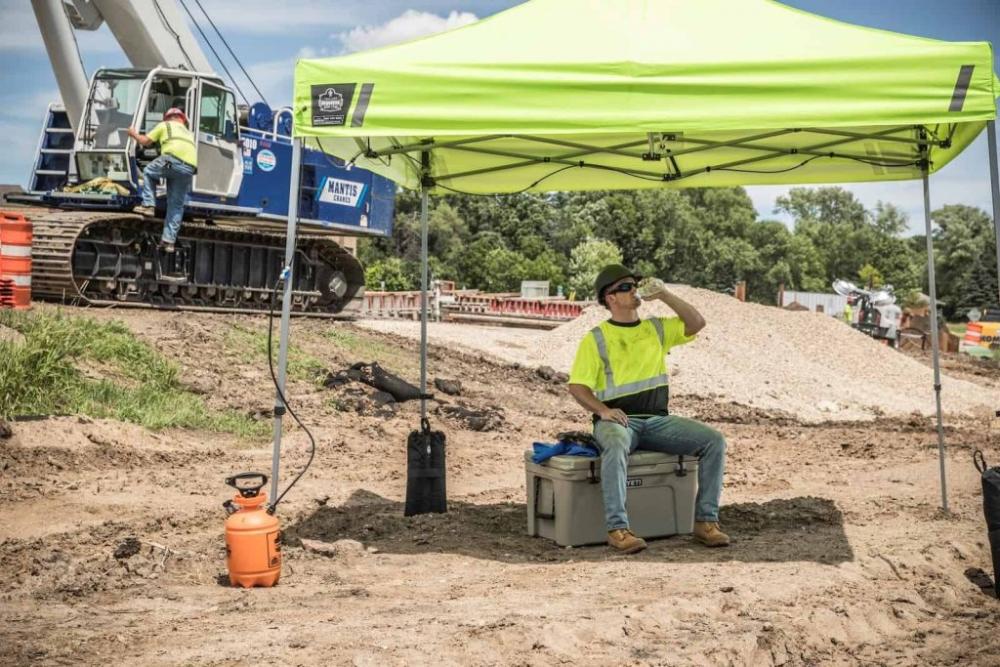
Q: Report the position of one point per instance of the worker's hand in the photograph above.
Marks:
(613, 415)
(132, 133)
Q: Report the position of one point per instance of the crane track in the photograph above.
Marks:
(104, 259)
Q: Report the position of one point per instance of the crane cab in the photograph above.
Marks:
(123, 98)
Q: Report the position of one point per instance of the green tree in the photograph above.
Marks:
(870, 276)
(470, 265)
(847, 237)
(503, 270)
(390, 274)
(965, 245)
(586, 261)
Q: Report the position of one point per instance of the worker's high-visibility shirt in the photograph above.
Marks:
(625, 364)
(175, 139)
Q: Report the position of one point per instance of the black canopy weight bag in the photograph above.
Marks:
(425, 471)
(991, 507)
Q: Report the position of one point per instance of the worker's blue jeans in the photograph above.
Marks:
(669, 434)
(178, 175)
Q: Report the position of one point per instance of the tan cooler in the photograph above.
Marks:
(565, 502)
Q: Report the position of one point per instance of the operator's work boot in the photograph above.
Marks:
(165, 246)
(625, 541)
(145, 211)
(708, 533)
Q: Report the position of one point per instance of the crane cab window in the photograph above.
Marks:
(165, 93)
(110, 107)
(217, 114)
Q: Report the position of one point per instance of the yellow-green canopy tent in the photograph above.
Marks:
(607, 94)
(599, 94)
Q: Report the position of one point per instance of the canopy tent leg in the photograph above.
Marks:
(991, 146)
(286, 313)
(935, 344)
(425, 159)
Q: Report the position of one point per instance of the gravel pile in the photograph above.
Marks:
(807, 364)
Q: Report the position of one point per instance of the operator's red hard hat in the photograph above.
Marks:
(173, 112)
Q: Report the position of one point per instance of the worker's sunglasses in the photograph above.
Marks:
(624, 287)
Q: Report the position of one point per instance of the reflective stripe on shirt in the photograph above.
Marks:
(611, 390)
(178, 142)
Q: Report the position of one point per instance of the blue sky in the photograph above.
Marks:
(268, 35)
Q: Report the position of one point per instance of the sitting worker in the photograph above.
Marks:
(620, 375)
(177, 164)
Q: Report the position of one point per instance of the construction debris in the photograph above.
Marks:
(450, 387)
(474, 420)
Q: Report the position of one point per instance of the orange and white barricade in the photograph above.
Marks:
(15, 261)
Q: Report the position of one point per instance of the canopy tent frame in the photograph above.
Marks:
(669, 156)
(662, 103)
(425, 149)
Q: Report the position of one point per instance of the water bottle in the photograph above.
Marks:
(650, 286)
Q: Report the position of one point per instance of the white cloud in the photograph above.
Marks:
(409, 25)
(274, 77)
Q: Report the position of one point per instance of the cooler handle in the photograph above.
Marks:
(980, 461)
(539, 514)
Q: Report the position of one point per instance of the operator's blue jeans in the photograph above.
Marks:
(669, 434)
(178, 175)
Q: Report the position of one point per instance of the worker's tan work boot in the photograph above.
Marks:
(145, 211)
(708, 533)
(625, 541)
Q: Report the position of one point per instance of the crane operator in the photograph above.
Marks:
(177, 165)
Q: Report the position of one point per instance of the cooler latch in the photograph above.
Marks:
(681, 468)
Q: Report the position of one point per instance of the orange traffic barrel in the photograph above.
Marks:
(15, 261)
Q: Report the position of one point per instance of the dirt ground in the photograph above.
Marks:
(841, 555)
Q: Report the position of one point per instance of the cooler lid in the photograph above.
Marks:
(640, 457)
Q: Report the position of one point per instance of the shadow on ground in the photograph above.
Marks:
(794, 529)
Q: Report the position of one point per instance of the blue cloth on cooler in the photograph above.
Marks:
(545, 451)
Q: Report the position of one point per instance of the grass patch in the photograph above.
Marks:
(957, 328)
(42, 375)
(250, 347)
(363, 348)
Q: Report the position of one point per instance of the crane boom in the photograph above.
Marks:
(60, 44)
(152, 33)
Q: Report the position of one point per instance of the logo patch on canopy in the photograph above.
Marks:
(331, 103)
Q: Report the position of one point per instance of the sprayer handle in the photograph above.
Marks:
(247, 483)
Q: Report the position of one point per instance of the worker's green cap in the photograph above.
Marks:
(608, 276)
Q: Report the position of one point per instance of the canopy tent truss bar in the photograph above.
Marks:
(535, 161)
(429, 144)
(880, 159)
(882, 136)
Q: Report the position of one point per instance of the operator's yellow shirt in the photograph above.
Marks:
(637, 360)
(175, 139)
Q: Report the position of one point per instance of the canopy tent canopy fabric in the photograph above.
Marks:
(601, 94)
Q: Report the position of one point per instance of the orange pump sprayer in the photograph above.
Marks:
(253, 536)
